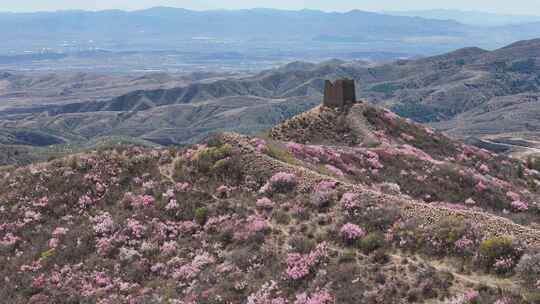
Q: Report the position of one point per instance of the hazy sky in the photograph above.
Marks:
(500, 6)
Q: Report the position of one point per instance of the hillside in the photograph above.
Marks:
(488, 95)
(358, 206)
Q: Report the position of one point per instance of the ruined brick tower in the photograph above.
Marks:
(339, 94)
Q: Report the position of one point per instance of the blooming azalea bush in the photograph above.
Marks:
(350, 201)
(301, 265)
(351, 232)
(283, 182)
(519, 206)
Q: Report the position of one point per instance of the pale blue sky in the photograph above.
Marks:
(498, 6)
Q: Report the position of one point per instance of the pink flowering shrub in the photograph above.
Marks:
(265, 203)
(326, 186)
(9, 240)
(481, 187)
(259, 144)
(484, 169)
(519, 206)
(138, 201)
(182, 187)
(513, 196)
(281, 182)
(352, 232)
(85, 201)
(469, 297)
(172, 205)
(349, 201)
(300, 265)
(337, 172)
(251, 227)
(465, 245)
(191, 270)
(416, 153)
(268, 294)
(103, 223)
(135, 228)
(504, 265)
(60, 231)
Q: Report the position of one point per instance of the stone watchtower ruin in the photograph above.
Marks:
(339, 94)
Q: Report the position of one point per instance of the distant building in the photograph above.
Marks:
(339, 94)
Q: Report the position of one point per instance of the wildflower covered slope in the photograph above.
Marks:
(376, 148)
(333, 207)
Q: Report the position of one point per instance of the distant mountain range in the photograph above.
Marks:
(468, 93)
(256, 31)
(469, 17)
(252, 24)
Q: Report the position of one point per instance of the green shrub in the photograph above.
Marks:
(201, 215)
(281, 154)
(371, 242)
(47, 254)
(206, 159)
(449, 230)
(374, 217)
(496, 248)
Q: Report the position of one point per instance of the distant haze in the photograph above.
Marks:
(495, 6)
